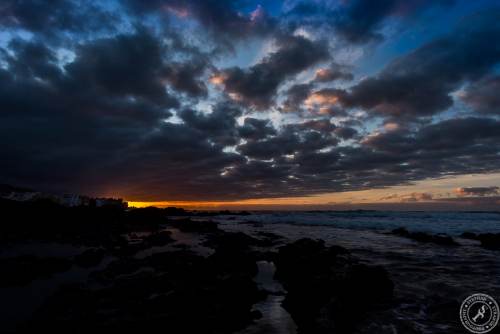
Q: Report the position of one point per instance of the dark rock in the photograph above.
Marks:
(490, 240)
(253, 223)
(188, 225)
(469, 235)
(90, 258)
(183, 291)
(401, 231)
(159, 239)
(328, 291)
(231, 241)
(173, 211)
(268, 239)
(439, 239)
(145, 219)
(18, 271)
(442, 310)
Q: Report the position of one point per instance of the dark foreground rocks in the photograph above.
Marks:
(174, 289)
(488, 240)
(179, 291)
(328, 290)
(21, 270)
(90, 258)
(438, 239)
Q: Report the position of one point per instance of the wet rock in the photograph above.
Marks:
(158, 239)
(188, 225)
(328, 291)
(179, 291)
(442, 310)
(469, 235)
(173, 211)
(268, 239)
(490, 240)
(21, 270)
(439, 239)
(231, 241)
(253, 223)
(145, 219)
(90, 258)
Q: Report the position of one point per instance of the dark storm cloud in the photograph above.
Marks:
(129, 113)
(53, 17)
(454, 136)
(420, 83)
(483, 96)
(257, 85)
(320, 125)
(346, 132)
(32, 59)
(219, 125)
(185, 77)
(332, 73)
(295, 96)
(64, 124)
(122, 65)
(222, 17)
(255, 129)
(456, 146)
(292, 139)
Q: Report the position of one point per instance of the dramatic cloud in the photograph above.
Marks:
(478, 191)
(50, 18)
(483, 96)
(257, 85)
(332, 73)
(408, 198)
(226, 100)
(420, 83)
(219, 126)
(222, 17)
(255, 129)
(295, 96)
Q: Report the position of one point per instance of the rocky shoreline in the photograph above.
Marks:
(152, 268)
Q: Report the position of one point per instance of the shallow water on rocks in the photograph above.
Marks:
(275, 319)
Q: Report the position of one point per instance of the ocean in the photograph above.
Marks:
(452, 223)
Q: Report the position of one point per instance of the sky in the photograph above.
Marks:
(290, 104)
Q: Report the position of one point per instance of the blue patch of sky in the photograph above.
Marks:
(410, 33)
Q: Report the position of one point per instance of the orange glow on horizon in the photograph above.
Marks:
(426, 191)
